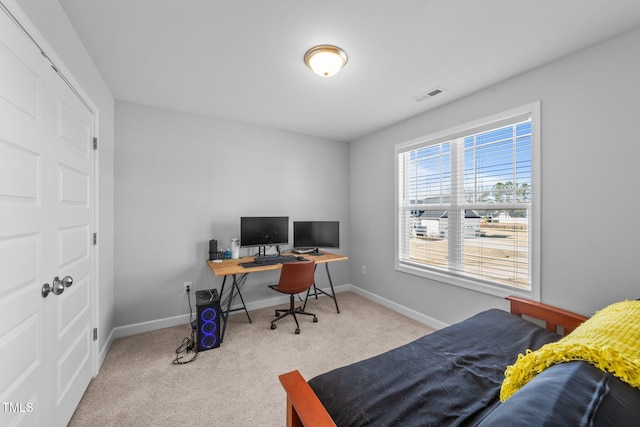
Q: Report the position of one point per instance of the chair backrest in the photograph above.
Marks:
(296, 277)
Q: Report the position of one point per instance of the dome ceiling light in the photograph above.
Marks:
(325, 60)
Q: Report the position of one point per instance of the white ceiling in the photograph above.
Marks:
(243, 60)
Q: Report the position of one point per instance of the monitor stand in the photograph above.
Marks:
(262, 251)
(308, 251)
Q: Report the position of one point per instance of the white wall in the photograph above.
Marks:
(590, 162)
(182, 179)
(52, 23)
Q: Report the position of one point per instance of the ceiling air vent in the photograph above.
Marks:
(428, 94)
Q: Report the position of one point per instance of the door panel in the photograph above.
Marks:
(74, 187)
(23, 320)
(74, 245)
(74, 128)
(46, 224)
(70, 369)
(74, 305)
(74, 225)
(19, 82)
(18, 173)
(26, 372)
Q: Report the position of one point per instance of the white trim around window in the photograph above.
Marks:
(448, 178)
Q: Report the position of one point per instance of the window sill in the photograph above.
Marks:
(495, 290)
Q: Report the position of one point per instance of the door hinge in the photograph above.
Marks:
(95, 334)
(95, 142)
(95, 238)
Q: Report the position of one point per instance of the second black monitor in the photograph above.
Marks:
(316, 234)
(264, 230)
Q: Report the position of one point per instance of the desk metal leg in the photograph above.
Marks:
(316, 290)
(225, 315)
(333, 292)
(240, 295)
(234, 288)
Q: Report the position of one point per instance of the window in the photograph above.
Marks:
(467, 204)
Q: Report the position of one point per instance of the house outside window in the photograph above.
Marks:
(467, 204)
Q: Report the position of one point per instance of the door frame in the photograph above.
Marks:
(15, 13)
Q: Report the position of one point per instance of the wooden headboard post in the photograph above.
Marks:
(552, 316)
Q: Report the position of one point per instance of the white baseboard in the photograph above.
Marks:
(102, 353)
(183, 319)
(151, 325)
(410, 313)
(105, 348)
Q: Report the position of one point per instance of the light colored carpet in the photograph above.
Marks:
(237, 383)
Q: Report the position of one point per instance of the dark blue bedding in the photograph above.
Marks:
(450, 377)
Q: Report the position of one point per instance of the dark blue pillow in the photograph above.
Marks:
(570, 394)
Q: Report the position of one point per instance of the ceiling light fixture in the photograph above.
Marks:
(325, 60)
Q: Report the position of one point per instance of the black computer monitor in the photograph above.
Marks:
(316, 234)
(264, 231)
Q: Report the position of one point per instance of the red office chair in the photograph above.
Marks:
(295, 277)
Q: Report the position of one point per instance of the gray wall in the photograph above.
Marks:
(182, 179)
(52, 23)
(590, 151)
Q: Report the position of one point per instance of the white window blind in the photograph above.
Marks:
(465, 203)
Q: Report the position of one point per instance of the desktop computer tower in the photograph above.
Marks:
(207, 322)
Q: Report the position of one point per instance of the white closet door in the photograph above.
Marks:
(46, 226)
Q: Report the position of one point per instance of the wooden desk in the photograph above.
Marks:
(232, 267)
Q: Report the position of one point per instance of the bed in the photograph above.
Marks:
(454, 377)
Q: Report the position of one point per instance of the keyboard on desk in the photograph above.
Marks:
(273, 259)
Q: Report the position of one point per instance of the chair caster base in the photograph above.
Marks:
(297, 331)
(315, 320)
(273, 326)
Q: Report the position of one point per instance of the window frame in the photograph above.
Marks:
(505, 118)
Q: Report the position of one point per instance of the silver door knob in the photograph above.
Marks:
(46, 289)
(67, 281)
(57, 287)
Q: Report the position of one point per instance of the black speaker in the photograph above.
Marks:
(208, 320)
(213, 249)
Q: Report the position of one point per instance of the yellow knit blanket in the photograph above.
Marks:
(610, 340)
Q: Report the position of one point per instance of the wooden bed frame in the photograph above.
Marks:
(305, 409)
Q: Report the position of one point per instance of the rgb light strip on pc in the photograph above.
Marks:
(208, 328)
